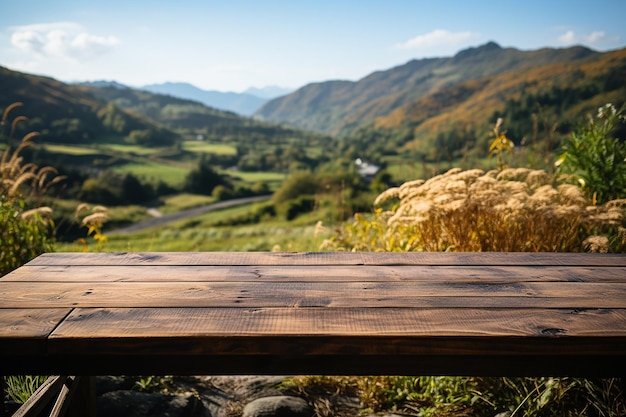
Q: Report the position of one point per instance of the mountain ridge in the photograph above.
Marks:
(241, 103)
(87, 113)
(335, 107)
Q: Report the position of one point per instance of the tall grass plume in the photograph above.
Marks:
(515, 209)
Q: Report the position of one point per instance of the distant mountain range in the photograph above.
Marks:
(241, 103)
(269, 92)
(411, 94)
(245, 104)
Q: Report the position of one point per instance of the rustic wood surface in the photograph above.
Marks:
(351, 313)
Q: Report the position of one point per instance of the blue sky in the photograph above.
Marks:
(230, 45)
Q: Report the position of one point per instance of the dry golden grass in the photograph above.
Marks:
(510, 210)
(17, 177)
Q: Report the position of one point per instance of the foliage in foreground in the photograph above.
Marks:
(24, 232)
(23, 235)
(19, 388)
(596, 158)
(429, 396)
(475, 211)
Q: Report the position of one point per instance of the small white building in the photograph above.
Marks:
(365, 169)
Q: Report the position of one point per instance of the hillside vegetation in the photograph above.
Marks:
(442, 109)
(338, 106)
(89, 115)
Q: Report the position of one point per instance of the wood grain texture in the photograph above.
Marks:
(312, 294)
(330, 258)
(24, 331)
(29, 323)
(321, 322)
(316, 273)
(352, 313)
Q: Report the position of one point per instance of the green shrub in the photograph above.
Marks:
(23, 234)
(299, 184)
(221, 193)
(299, 206)
(597, 159)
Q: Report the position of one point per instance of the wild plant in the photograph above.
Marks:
(518, 210)
(93, 221)
(595, 158)
(20, 387)
(24, 232)
(500, 144)
(17, 177)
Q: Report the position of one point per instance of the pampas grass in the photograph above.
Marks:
(517, 210)
(17, 178)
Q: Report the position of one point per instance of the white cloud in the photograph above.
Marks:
(61, 40)
(437, 37)
(594, 37)
(567, 37)
(570, 37)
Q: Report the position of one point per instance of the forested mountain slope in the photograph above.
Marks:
(337, 107)
(67, 114)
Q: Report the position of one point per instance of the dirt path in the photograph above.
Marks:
(185, 214)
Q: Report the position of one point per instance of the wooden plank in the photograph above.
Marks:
(312, 294)
(29, 323)
(24, 331)
(365, 331)
(41, 398)
(62, 402)
(315, 273)
(331, 258)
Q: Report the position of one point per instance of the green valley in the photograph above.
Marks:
(122, 147)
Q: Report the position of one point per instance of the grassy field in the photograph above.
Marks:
(207, 147)
(220, 231)
(155, 171)
(203, 234)
(71, 149)
(183, 201)
(130, 149)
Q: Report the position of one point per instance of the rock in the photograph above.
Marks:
(110, 383)
(504, 414)
(143, 404)
(278, 406)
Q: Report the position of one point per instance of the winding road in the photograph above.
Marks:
(185, 214)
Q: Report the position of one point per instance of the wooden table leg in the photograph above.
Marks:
(83, 402)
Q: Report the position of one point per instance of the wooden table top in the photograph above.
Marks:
(315, 313)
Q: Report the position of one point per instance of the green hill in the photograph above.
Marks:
(66, 114)
(89, 114)
(538, 104)
(162, 128)
(193, 118)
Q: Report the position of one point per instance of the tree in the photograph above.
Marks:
(203, 179)
(133, 191)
